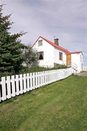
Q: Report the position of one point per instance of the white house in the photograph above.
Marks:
(51, 53)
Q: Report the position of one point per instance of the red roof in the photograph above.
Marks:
(76, 52)
(57, 46)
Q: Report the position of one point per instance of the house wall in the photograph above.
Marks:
(48, 50)
(77, 61)
(51, 56)
(56, 57)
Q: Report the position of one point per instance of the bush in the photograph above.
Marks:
(58, 66)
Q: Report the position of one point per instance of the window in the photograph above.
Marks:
(60, 56)
(40, 43)
(40, 55)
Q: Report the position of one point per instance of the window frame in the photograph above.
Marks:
(41, 55)
(60, 56)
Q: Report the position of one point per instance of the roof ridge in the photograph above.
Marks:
(73, 52)
(58, 47)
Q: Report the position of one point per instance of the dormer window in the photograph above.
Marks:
(40, 43)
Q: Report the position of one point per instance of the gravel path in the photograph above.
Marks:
(84, 73)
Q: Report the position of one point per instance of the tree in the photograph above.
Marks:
(30, 57)
(10, 47)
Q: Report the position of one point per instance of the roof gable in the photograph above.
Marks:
(54, 45)
(57, 46)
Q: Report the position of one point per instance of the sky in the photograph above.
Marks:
(63, 19)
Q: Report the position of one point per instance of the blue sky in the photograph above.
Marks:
(64, 19)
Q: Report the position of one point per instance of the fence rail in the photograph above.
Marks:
(12, 86)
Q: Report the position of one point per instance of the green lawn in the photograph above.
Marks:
(61, 106)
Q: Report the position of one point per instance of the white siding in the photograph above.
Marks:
(48, 50)
(51, 54)
(77, 61)
(56, 57)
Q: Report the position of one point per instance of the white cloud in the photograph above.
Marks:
(66, 19)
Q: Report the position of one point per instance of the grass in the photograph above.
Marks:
(61, 106)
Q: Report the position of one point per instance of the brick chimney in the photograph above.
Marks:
(56, 41)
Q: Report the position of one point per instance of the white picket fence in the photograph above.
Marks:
(12, 86)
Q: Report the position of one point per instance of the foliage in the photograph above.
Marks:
(59, 66)
(10, 47)
(38, 69)
(30, 57)
(61, 106)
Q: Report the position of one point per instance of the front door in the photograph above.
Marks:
(68, 60)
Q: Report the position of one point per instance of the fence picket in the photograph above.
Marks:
(17, 85)
(3, 89)
(21, 84)
(13, 86)
(36, 80)
(39, 79)
(31, 81)
(8, 87)
(27, 79)
(0, 94)
(24, 79)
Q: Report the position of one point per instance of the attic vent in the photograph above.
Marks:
(40, 43)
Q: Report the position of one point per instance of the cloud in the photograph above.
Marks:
(66, 19)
